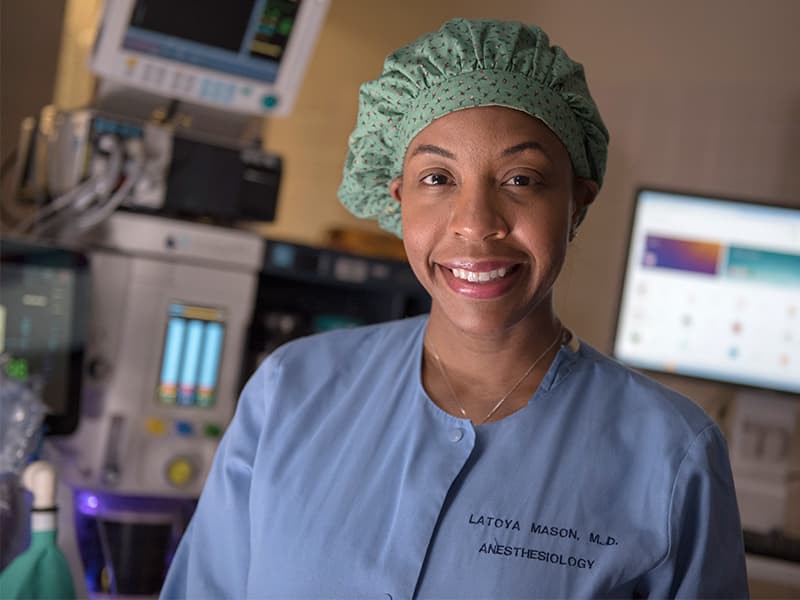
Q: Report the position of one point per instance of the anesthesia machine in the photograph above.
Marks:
(147, 324)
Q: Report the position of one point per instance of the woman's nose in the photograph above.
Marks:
(476, 214)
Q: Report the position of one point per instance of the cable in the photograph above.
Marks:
(80, 193)
(135, 150)
(80, 198)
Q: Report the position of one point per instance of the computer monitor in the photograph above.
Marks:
(244, 56)
(712, 290)
(44, 294)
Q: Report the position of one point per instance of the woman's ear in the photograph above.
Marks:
(396, 189)
(583, 194)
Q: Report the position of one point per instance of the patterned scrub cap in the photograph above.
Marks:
(463, 65)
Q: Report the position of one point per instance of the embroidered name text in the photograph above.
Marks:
(554, 558)
(489, 521)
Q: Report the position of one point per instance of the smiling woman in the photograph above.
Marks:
(423, 458)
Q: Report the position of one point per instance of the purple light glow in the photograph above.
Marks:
(88, 503)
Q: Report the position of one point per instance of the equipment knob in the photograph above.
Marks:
(180, 471)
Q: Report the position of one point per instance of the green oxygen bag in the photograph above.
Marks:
(41, 571)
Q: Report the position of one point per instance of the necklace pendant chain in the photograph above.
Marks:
(443, 371)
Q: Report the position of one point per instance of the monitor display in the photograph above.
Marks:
(712, 290)
(191, 355)
(43, 324)
(243, 55)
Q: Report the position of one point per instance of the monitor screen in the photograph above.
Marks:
(712, 290)
(44, 294)
(243, 55)
(191, 355)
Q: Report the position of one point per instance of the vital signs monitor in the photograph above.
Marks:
(245, 56)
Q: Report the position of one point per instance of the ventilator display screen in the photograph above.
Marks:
(247, 38)
(241, 56)
(191, 355)
(712, 290)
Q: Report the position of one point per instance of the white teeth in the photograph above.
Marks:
(480, 276)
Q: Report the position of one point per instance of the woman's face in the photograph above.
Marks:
(488, 198)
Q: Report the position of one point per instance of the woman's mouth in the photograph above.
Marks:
(482, 282)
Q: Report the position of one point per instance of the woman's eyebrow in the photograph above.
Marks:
(530, 145)
(431, 149)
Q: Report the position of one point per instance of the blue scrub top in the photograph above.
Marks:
(340, 478)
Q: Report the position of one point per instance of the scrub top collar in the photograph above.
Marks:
(559, 369)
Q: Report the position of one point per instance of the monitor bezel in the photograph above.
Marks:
(700, 195)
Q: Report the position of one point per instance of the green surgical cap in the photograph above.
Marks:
(463, 65)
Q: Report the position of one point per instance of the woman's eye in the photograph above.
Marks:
(518, 180)
(436, 179)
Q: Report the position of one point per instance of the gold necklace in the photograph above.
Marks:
(500, 402)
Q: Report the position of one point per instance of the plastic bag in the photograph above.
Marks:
(21, 415)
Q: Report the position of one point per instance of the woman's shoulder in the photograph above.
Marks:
(340, 340)
(343, 368)
(633, 395)
(343, 349)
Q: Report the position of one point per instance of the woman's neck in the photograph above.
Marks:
(468, 373)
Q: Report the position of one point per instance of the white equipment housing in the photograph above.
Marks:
(133, 437)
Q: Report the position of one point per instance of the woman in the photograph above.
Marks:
(482, 451)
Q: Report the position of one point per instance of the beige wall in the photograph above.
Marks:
(30, 33)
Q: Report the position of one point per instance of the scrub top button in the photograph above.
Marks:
(456, 435)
